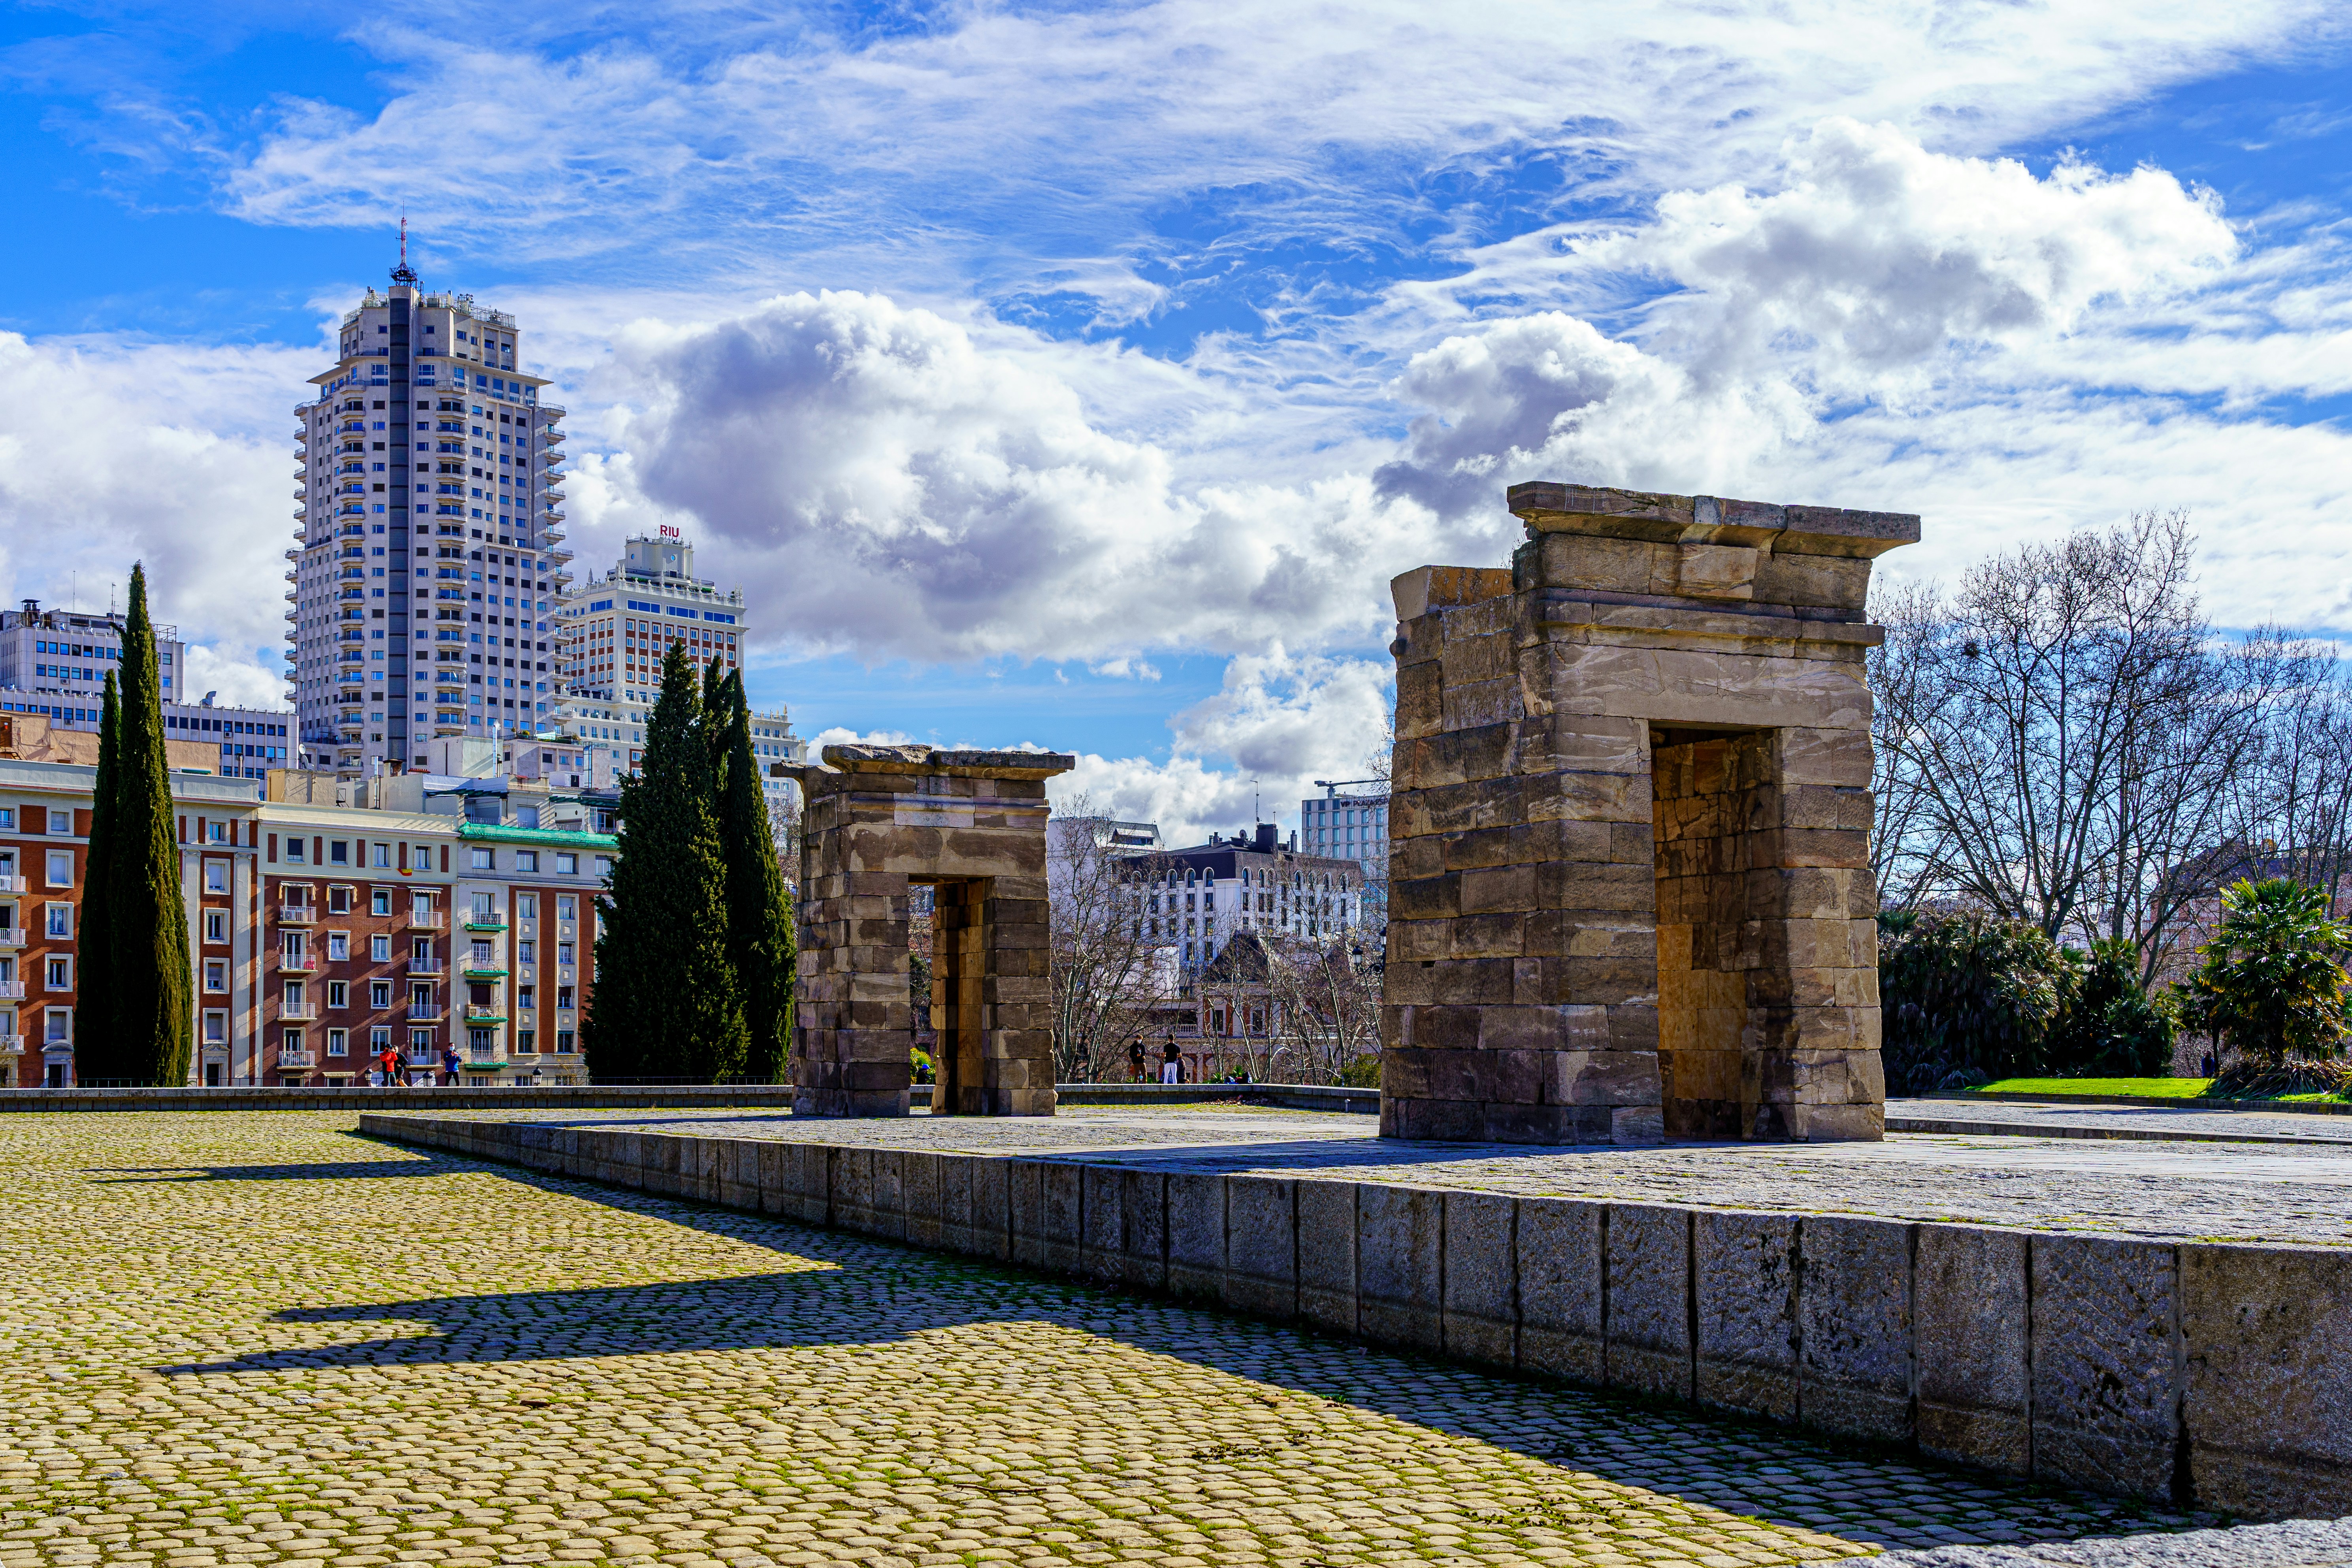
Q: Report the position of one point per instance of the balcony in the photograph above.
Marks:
(12, 1045)
(297, 914)
(482, 971)
(11, 990)
(483, 1017)
(299, 963)
(286, 1059)
(12, 936)
(302, 1011)
(12, 884)
(424, 919)
(478, 921)
(423, 1013)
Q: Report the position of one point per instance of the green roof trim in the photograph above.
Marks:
(537, 835)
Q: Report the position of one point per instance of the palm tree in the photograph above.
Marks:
(2270, 984)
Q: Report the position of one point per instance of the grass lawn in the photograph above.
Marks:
(2136, 1087)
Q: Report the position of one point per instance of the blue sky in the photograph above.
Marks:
(1081, 374)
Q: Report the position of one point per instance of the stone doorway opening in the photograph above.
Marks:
(961, 940)
(1712, 796)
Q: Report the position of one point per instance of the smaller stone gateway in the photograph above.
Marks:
(877, 821)
(1629, 887)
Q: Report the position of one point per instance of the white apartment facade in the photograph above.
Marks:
(53, 663)
(427, 552)
(1196, 901)
(612, 633)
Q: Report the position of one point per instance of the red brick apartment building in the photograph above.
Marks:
(320, 934)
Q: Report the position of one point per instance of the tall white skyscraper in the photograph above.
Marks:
(613, 632)
(427, 554)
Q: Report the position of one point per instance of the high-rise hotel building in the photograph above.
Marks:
(429, 553)
(613, 632)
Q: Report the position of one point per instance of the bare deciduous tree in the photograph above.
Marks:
(2061, 737)
(1325, 1006)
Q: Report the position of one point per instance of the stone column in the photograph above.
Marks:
(876, 819)
(1629, 890)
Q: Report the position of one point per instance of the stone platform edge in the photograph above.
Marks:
(596, 1097)
(2203, 1374)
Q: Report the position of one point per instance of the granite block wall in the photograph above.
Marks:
(2191, 1374)
(1630, 895)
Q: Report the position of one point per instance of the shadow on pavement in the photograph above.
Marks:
(851, 1290)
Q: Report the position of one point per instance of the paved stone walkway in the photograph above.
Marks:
(2157, 1121)
(2237, 1192)
(254, 1338)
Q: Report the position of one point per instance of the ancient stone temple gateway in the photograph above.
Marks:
(972, 825)
(1631, 892)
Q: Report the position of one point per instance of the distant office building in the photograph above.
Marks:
(1348, 827)
(427, 546)
(612, 633)
(53, 663)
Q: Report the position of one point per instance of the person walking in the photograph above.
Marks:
(1172, 1069)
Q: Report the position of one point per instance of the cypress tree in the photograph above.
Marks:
(98, 1052)
(759, 937)
(147, 918)
(666, 1002)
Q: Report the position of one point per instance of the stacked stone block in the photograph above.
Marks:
(2201, 1373)
(877, 821)
(1629, 887)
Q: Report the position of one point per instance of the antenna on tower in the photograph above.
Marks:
(404, 273)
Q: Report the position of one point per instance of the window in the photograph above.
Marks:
(525, 951)
(379, 855)
(338, 993)
(567, 865)
(294, 849)
(484, 912)
(339, 946)
(527, 906)
(57, 1026)
(562, 998)
(59, 924)
(379, 947)
(339, 901)
(61, 869)
(526, 860)
(215, 975)
(563, 951)
(216, 925)
(57, 972)
(216, 1027)
(216, 876)
(61, 823)
(567, 907)
(338, 1042)
(482, 859)
(379, 993)
(8, 818)
(380, 901)
(339, 852)
(604, 865)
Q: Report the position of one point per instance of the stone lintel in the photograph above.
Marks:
(1547, 506)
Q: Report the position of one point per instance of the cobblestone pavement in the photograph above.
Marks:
(2238, 1191)
(254, 1338)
